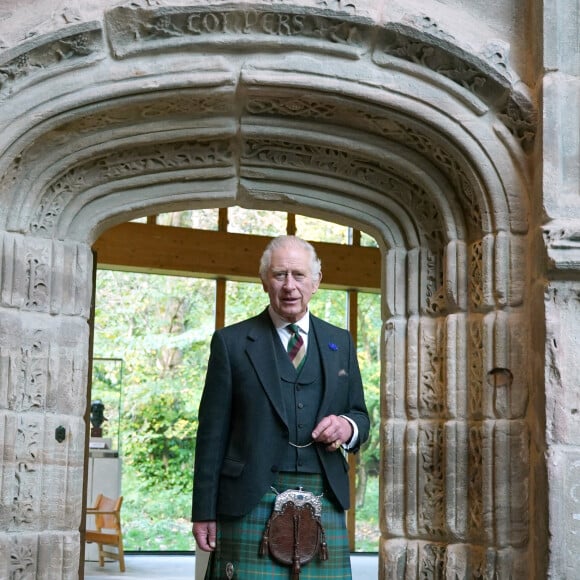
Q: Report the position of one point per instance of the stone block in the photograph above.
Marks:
(562, 366)
(44, 275)
(43, 362)
(564, 507)
(42, 483)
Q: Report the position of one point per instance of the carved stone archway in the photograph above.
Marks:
(388, 126)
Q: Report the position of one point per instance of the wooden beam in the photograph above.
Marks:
(155, 249)
(220, 303)
(352, 297)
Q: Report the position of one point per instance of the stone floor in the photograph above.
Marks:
(179, 567)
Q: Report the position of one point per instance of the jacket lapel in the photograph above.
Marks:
(260, 349)
(329, 359)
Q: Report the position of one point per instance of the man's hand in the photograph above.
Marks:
(205, 535)
(333, 431)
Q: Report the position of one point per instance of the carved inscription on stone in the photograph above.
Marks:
(134, 30)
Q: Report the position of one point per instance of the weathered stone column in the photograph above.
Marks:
(45, 291)
(561, 226)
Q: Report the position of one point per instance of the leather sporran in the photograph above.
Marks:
(294, 534)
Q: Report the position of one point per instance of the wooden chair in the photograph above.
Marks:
(107, 532)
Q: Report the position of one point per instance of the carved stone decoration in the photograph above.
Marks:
(344, 164)
(437, 301)
(135, 30)
(45, 54)
(422, 42)
(475, 367)
(23, 557)
(432, 403)
(27, 474)
(183, 105)
(476, 292)
(41, 490)
(324, 108)
(136, 161)
(29, 393)
(475, 521)
(32, 267)
(39, 368)
(430, 560)
(44, 556)
(562, 240)
(432, 476)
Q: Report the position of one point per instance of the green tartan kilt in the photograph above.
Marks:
(238, 540)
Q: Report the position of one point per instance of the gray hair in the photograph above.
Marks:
(282, 241)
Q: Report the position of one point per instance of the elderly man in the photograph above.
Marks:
(283, 401)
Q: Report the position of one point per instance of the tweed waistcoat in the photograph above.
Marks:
(302, 393)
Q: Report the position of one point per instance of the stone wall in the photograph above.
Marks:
(418, 122)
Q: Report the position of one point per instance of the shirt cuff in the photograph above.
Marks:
(354, 439)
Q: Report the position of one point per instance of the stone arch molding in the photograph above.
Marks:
(389, 126)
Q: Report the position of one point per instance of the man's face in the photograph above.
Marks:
(289, 282)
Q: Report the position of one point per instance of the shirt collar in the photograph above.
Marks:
(303, 323)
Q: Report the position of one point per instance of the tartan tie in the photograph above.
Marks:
(296, 348)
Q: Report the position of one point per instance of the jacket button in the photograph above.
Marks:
(274, 468)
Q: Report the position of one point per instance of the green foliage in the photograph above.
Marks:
(368, 349)
(367, 532)
(157, 519)
(162, 337)
(162, 426)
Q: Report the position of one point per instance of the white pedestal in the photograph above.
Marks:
(104, 476)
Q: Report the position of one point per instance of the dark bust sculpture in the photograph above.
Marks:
(97, 418)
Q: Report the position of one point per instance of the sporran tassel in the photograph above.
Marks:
(323, 544)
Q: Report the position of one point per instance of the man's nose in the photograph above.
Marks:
(289, 280)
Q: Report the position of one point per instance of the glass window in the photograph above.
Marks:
(244, 299)
(368, 241)
(201, 219)
(317, 230)
(257, 222)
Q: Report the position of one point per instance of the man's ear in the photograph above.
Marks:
(317, 283)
